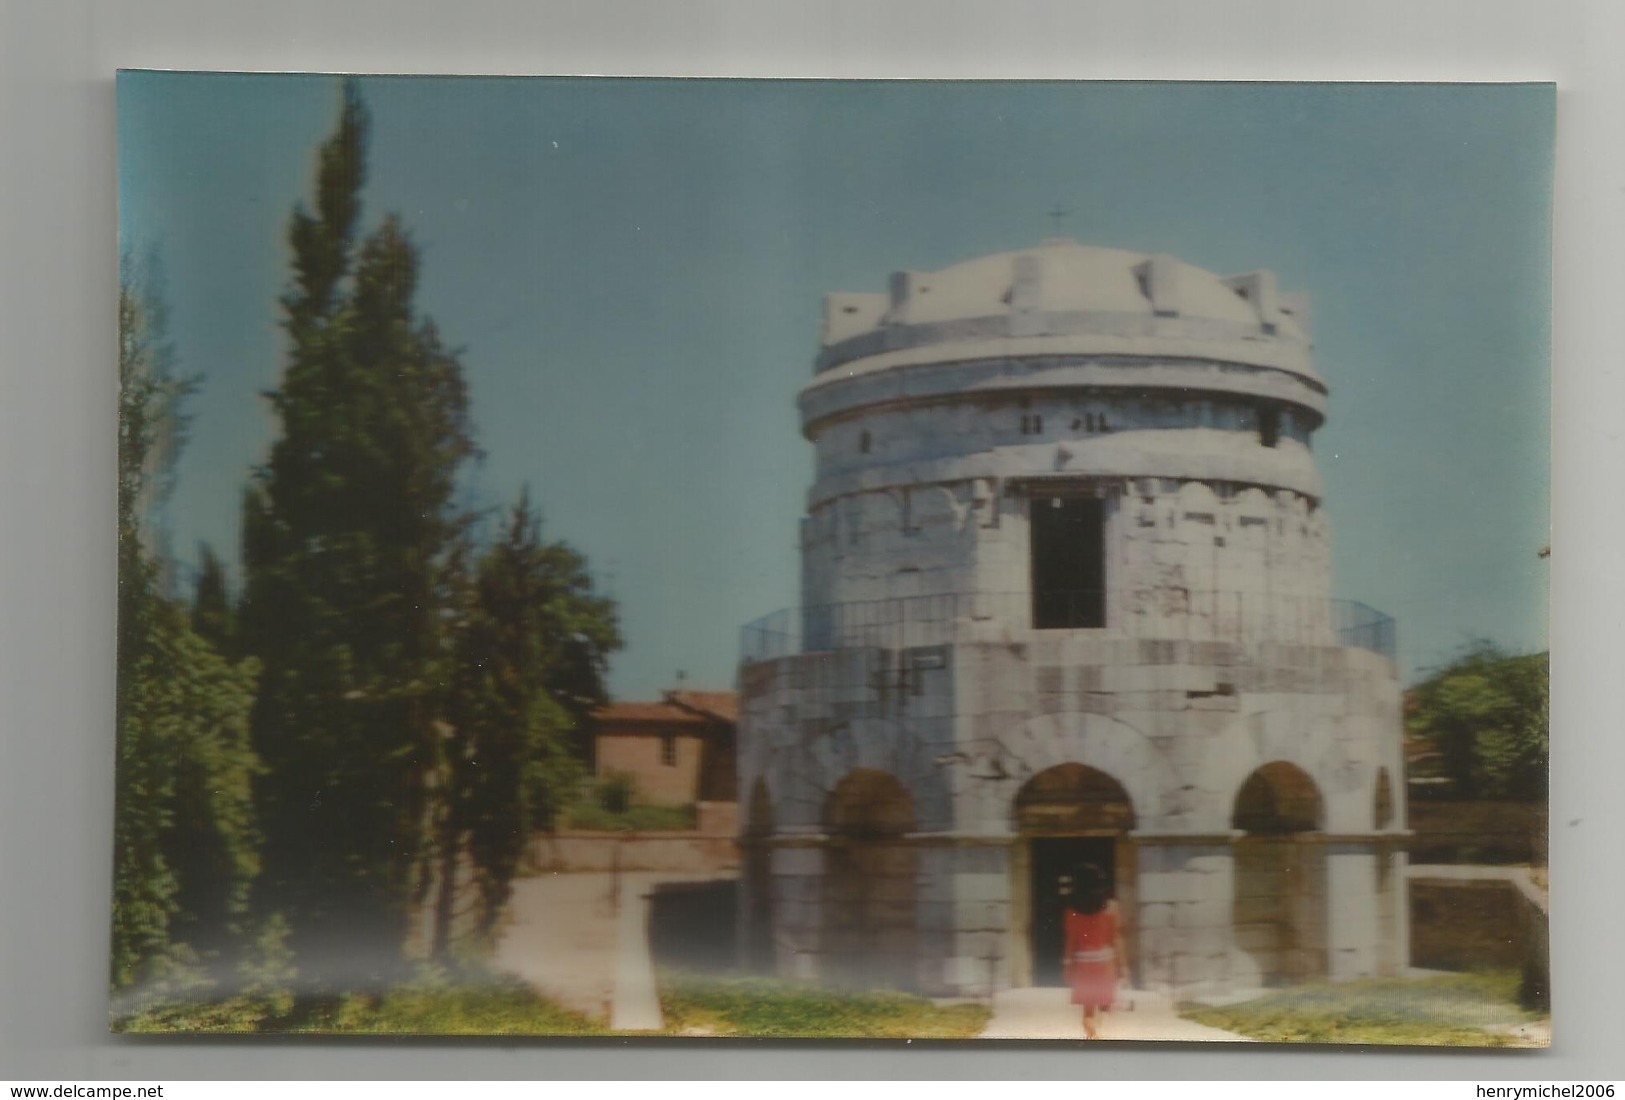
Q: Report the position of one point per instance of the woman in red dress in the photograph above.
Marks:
(1094, 959)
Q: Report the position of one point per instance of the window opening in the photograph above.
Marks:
(1269, 426)
(668, 749)
(1068, 562)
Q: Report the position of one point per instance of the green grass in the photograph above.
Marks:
(1455, 1010)
(633, 819)
(490, 1006)
(764, 1008)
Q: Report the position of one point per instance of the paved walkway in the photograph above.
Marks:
(583, 940)
(1046, 1013)
(571, 937)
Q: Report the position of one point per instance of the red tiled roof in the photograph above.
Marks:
(720, 705)
(647, 712)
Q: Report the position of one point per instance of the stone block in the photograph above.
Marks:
(1210, 864)
(1202, 914)
(1083, 678)
(1130, 678)
(1195, 969)
(965, 973)
(1155, 915)
(1166, 886)
(981, 887)
(981, 916)
(981, 946)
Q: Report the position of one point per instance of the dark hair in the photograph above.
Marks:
(1091, 889)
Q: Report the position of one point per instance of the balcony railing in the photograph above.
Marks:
(1178, 614)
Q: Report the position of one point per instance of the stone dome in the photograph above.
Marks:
(1066, 298)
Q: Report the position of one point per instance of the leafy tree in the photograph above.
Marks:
(184, 838)
(213, 618)
(349, 537)
(532, 654)
(1487, 714)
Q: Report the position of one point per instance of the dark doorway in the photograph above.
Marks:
(1068, 561)
(692, 925)
(1053, 861)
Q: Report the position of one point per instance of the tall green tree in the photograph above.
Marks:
(1487, 714)
(532, 655)
(213, 617)
(184, 837)
(349, 535)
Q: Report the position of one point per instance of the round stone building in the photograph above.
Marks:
(1066, 598)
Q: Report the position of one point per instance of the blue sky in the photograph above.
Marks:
(635, 269)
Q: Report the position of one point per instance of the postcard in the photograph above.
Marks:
(833, 560)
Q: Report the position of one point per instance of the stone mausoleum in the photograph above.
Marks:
(1065, 598)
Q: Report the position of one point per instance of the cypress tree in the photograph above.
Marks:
(348, 532)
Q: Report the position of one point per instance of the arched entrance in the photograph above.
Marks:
(1279, 911)
(1067, 815)
(757, 874)
(869, 919)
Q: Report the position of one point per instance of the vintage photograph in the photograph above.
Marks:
(833, 559)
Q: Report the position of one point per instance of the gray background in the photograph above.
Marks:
(57, 285)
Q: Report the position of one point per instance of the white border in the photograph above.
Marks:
(56, 449)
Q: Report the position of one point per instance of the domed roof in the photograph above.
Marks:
(1063, 288)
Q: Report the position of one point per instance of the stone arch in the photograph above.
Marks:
(1276, 799)
(1094, 740)
(1072, 799)
(869, 920)
(1279, 905)
(868, 803)
(1307, 742)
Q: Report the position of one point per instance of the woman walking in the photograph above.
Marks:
(1094, 961)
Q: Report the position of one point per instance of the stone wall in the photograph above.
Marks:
(1478, 832)
(584, 850)
(1182, 561)
(1467, 917)
(1180, 726)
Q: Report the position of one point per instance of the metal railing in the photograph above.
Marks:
(1166, 613)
